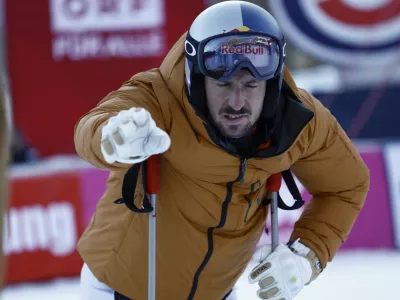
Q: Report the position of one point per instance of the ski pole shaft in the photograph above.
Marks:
(273, 185)
(152, 187)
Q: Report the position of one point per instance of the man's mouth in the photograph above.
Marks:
(234, 118)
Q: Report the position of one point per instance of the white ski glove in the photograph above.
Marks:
(132, 136)
(283, 273)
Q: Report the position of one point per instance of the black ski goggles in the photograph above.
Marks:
(222, 57)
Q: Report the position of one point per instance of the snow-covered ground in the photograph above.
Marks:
(355, 275)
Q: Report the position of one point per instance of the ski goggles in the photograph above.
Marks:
(224, 56)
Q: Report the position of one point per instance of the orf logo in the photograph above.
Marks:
(346, 32)
(105, 15)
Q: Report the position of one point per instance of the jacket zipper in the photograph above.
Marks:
(243, 170)
(248, 208)
(210, 231)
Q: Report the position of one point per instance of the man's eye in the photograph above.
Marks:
(223, 84)
(251, 86)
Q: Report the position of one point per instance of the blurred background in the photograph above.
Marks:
(59, 58)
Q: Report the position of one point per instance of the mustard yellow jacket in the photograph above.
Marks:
(209, 216)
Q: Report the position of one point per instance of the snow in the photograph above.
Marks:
(352, 275)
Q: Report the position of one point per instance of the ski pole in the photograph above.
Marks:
(273, 185)
(152, 189)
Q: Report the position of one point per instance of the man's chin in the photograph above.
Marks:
(235, 133)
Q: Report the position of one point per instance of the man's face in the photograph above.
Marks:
(235, 105)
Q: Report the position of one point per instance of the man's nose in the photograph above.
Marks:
(237, 99)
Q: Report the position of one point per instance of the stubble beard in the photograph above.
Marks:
(235, 131)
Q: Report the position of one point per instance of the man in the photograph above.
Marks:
(224, 114)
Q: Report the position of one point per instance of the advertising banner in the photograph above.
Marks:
(64, 56)
(42, 226)
(346, 33)
(373, 227)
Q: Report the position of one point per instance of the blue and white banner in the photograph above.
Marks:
(345, 32)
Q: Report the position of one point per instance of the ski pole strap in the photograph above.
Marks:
(294, 191)
(129, 187)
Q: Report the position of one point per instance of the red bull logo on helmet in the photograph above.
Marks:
(242, 29)
(244, 48)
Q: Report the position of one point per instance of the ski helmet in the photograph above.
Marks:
(231, 36)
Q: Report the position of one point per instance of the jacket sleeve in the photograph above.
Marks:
(335, 175)
(87, 133)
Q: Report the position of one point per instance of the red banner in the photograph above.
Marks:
(42, 227)
(64, 56)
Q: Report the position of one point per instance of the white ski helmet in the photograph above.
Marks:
(231, 36)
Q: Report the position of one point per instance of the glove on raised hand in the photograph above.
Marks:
(132, 136)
